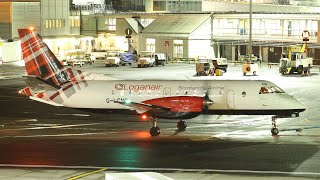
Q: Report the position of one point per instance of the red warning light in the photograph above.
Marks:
(144, 117)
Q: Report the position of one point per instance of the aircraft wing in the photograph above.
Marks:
(39, 85)
(143, 107)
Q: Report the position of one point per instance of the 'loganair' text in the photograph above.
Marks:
(137, 87)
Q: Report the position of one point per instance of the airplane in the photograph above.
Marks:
(51, 83)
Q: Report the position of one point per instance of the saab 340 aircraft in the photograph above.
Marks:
(50, 82)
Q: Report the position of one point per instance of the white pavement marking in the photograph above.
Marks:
(54, 127)
(83, 115)
(168, 169)
(52, 135)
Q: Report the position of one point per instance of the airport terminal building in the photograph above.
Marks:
(181, 29)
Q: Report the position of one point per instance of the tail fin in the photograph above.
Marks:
(39, 59)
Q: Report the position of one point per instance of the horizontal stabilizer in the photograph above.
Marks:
(39, 85)
(44, 101)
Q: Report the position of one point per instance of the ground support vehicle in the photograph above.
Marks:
(100, 55)
(90, 58)
(245, 58)
(160, 59)
(113, 59)
(147, 59)
(127, 58)
(203, 69)
(220, 63)
(296, 63)
(249, 67)
(75, 57)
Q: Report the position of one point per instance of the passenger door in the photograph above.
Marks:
(230, 99)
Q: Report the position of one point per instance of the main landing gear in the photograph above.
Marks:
(155, 130)
(181, 125)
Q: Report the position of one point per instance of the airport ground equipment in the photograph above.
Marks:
(249, 67)
(90, 58)
(113, 59)
(160, 59)
(295, 61)
(75, 57)
(220, 63)
(244, 58)
(203, 69)
(127, 58)
(147, 59)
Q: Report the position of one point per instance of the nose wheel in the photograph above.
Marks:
(181, 125)
(154, 131)
(274, 129)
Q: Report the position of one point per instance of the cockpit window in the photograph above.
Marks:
(276, 89)
(271, 89)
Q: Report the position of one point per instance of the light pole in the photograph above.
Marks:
(250, 29)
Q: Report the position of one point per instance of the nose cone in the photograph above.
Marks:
(301, 107)
(296, 105)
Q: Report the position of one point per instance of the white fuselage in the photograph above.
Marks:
(227, 95)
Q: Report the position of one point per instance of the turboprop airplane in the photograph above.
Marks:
(50, 82)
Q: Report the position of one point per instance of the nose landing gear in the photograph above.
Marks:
(274, 129)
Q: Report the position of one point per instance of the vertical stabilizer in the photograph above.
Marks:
(39, 59)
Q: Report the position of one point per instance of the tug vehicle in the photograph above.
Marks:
(113, 59)
(147, 59)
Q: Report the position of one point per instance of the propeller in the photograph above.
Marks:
(207, 101)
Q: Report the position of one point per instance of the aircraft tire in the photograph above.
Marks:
(182, 125)
(154, 131)
(274, 131)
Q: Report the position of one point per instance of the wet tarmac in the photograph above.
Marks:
(33, 134)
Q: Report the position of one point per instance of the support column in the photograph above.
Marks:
(218, 54)
(149, 5)
(233, 53)
(260, 53)
(239, 52)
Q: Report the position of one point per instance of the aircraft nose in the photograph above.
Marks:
(300, 106)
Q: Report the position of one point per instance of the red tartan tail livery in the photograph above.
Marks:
(48, 80)
(39, 60)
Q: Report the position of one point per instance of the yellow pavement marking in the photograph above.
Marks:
(86, 174)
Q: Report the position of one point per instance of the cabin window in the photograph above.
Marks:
(271, 89)
(221, 92)
(244, 94)
(204, 92)
(186, 93)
